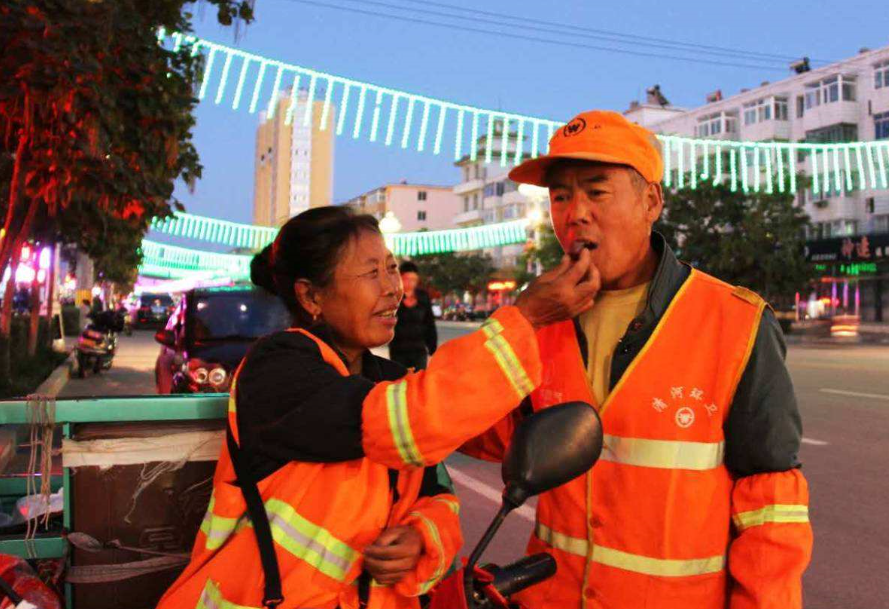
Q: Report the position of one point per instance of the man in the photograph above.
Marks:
(697, 500)
(415, 335)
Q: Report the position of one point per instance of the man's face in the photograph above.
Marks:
(603, 204)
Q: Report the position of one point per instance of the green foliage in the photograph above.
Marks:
(28, 372)
(755, 240)
(548, 251)
(450, 272)
(96, 118)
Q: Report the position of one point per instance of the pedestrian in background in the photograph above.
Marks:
(415, 335)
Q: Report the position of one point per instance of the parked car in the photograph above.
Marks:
(209, 333)
(154, 309)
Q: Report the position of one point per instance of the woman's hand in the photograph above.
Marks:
(562, 293)
(394, 554)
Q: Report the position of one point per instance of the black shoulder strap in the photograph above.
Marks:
(272, 595)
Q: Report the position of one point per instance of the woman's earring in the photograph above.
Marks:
(314, 318)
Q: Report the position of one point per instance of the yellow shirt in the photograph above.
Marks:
(604, 325)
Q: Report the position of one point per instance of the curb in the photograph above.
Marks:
(57, 380)
(458, 324)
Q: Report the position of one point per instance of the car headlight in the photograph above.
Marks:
(200, 375)
(218, 377)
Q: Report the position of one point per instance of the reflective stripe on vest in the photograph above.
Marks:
(303, 539)
(439, 547)
(451, 504)
(506, 358)
(211, 598)
(663, 454)
(777, 513)
(400, 424)
(630, 562)
(217, 528)
(309, 542)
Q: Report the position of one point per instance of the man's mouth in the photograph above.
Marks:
(580, 244)
(387, 313)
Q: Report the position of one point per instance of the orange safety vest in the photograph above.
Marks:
(321, 517)
(650, 524)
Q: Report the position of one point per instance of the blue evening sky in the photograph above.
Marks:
(510, 73)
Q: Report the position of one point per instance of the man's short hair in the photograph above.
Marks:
(638, 180)
(408, 267)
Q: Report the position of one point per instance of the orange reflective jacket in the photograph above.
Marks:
(651, 524)
(323, 515)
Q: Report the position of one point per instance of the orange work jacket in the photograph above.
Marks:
(323, 515)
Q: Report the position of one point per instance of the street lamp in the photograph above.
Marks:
(536, 197)
(389, 225)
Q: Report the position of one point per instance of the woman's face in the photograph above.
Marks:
(361, 302)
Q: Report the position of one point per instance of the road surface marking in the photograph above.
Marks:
(487, 492)
(814, 442)
(856, 394)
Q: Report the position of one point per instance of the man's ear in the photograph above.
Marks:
(307, 296)
(654, 201)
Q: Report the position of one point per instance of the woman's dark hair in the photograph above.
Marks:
(408, 267)
(308, 247)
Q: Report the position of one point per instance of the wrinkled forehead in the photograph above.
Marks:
(364, 249)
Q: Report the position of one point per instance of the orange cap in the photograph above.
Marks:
(597, 135)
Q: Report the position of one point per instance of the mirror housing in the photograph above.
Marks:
(549, 448)
(165, 337)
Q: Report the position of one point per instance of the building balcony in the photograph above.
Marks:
(473, 216)
(834, 113)
(470, 186)
(766, 131)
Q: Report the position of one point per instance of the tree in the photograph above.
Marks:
(752, 239)
(450, 272)
(93, 112)
(548, 251)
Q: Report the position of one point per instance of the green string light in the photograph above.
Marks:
(815, 183)
(294, 99)
(340, 87)
(344, 104)
(439, 131)
(408, 119)
(473, 150)
(390, 128)
(273, 99)
(359, 114)
(424, 124)
(325, 108)
(310, 101)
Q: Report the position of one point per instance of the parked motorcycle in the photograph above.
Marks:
(97, 344)
(550, 447)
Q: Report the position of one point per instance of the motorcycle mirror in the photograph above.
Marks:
(165, 337)
(549, 448)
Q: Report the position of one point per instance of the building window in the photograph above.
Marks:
(800, 106)
(881, 75)
(709, 125)
(499, 189)
(466, 203)
(466, 173)
(781, 109)
(881, 123)
(869, 205)
(421, 215)
(421, 195)
(475, 201)
(489, 190)
(828, 91)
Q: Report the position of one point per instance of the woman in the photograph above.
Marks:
(415, 336)
(327, 445)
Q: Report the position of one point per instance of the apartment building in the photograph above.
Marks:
(417, 206)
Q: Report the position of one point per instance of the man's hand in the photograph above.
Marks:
(394, 554)
(562, 293)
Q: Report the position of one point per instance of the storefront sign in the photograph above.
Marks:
(867, 248)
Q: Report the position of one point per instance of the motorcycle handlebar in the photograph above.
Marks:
(523, 573)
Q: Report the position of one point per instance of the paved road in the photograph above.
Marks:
(844, 398)
(131, 374)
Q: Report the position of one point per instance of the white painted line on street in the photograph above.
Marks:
(487, 492)
(856, 394)
(814, 442)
